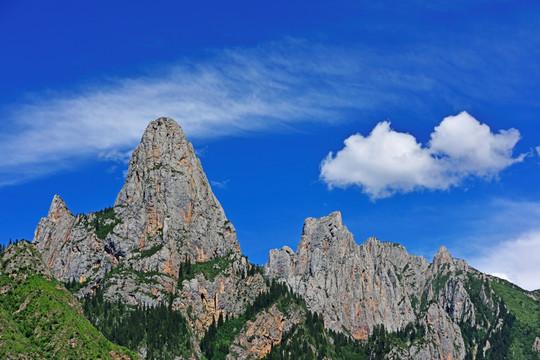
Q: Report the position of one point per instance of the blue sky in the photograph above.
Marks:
(419, 122)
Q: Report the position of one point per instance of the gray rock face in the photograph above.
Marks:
(166, 197)
(165, 213)
(357, 287)
(266, 330)
(536, 345)
(68, 247)
(352, 286)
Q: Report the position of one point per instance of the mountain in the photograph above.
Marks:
(358, 287)
(165, 217)
(165, 212)
(161, 273)
(40, 319)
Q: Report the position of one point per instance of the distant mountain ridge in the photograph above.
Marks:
(166, 242)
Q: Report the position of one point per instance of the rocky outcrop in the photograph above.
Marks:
(203, 300)
(167, 199)
(165, 213)
(536, 345)
(357, 287)
(352, 286)
(259, 336)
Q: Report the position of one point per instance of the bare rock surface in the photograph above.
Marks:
(357, 287)
(260, 335)
(165, 213)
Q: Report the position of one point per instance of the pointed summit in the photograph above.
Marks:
(324, 233)
(58, 208)
(165, 213)
(162, 144)
(442, 257)
(169, 198)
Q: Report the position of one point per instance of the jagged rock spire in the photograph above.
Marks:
(167, 195)
(166, 204)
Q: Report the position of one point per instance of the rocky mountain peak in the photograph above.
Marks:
(165, 213)
(163, 144)
(442, 257)
(325, 234)
(58, 208)
(167, 190)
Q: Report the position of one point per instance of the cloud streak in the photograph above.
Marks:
(275, 85)
(387, 162)
(233, 91)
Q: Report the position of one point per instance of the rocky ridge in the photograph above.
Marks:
(165, 214)
(167, 240)
(357, 287)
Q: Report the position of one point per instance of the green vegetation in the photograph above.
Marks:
(41, 320)
(162, 331)
(142, 277)
(149, 252)
(310, 340)
(102, 226)
(73, 285)
(440, 281)
(495, 326)
(219, 336)
(103, 221)
(307, 340)
(526, 326)
(209, 269)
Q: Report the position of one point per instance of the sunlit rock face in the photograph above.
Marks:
(165, 213)
(356, 287)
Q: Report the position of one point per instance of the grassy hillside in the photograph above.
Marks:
(40, 319)
(526, 309)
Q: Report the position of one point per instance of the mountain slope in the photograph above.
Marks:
(165, 217)
(39, 318)
(356, 288)
(165, 212)
(161, 272)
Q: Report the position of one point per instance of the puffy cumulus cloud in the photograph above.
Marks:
(468, 147)
(386, 161)
(381, 162)
(513, 260)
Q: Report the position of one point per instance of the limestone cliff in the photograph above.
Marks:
(356, 287)
(165, 214)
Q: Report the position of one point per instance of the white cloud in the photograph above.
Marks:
(513, 260)
(233, 91)
(386, 161)
(116, 156)
(468, 147)
(538, 151)
(219, 184)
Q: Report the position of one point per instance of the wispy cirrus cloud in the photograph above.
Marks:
(275, 85)
(232, 91)
(386, 162)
